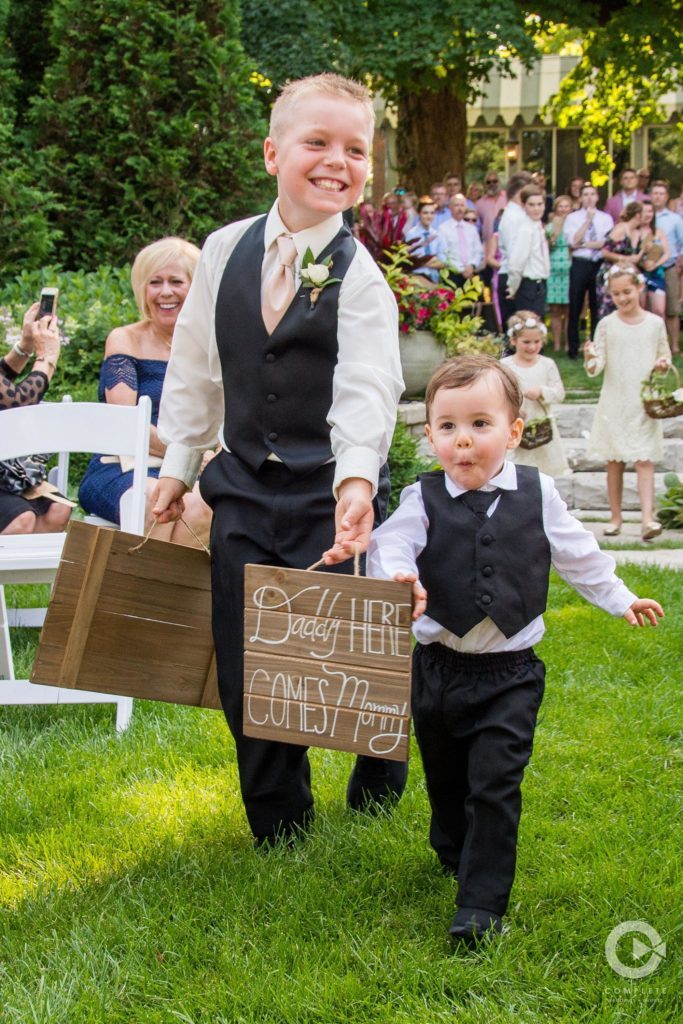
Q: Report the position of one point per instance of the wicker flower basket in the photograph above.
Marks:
(661, 403)
(537, 433)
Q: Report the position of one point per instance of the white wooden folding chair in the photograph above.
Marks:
(33, 558)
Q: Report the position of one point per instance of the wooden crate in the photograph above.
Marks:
(327, 660)
(135, 624)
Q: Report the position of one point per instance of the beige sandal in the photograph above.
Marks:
(613, 530)
(651, 530)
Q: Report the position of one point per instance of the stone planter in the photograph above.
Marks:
(421, 354)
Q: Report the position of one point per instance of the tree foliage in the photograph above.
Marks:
(428, 60)
(629, 56)
(146, 124)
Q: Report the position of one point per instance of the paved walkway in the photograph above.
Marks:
(628, 547)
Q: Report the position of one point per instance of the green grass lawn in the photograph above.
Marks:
(130, 891)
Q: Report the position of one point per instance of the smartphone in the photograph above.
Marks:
(48, 302)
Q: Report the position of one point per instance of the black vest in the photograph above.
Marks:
(499, 568)
(278, 387)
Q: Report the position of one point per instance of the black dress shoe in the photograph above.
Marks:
(375, 783)
(471, 925)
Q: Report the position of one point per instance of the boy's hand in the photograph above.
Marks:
(166, 502)
(419, 592)
(641, 609)
(353, 519)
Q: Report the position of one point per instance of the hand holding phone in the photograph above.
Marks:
(48, 303)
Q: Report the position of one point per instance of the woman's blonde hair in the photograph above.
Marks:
(155, 256)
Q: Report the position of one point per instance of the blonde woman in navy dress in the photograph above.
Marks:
(135, 361)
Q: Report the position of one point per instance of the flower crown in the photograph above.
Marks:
(522, 325)
(620, 269)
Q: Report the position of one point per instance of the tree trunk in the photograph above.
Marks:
(431, 138)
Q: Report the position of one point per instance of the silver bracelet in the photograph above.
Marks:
(20, 352)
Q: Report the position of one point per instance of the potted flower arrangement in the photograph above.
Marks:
(434, 322)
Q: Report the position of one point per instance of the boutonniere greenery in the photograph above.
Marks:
(316, 276)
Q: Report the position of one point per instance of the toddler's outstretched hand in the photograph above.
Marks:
(643, 608)
(419, 592)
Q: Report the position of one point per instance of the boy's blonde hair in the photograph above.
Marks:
(462, 371)
(327, 84)
(155, 256)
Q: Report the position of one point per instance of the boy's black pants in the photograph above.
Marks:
(271, 517)
(474, 717)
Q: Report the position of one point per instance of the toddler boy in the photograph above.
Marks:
(287, 348)
(477, 540)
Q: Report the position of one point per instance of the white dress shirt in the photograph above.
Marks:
(528, 255)
(602, 223)
(367, 382)
(512, 217)
(450, 248)
(574, 553)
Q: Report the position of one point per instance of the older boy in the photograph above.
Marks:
(481, 536)
(300, 379)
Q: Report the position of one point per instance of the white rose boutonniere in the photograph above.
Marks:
(316, 276)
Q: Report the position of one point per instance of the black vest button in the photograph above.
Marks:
(487, 539)
(486, 599)
(272, 436)
(270, 357)
(271, 398)
(487, 570)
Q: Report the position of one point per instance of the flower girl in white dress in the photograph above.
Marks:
(541, 385)
(629, 343)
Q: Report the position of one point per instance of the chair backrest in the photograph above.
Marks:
(83, 427)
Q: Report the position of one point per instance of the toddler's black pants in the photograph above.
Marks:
(474, 718)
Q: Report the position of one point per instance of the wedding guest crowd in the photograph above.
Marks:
(537, 251)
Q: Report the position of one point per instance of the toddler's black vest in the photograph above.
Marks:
(499, 568)
(278, 387)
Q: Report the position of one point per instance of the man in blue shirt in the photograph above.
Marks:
(423, 238)
(672, 225)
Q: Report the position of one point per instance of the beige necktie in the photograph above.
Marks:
(279, 288)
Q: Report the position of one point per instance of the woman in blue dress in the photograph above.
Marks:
(135, 360)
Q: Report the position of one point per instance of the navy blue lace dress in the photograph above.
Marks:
(104, 483)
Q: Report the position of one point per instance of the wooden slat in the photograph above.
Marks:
(327, 595)
(327, 683)
(100, 546)
(303, 636)
(210, 697)
(151, 562)
(318, 726)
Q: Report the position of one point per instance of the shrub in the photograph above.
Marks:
(405, 462)
(147, 125)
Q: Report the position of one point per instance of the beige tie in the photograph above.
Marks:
(279, 288)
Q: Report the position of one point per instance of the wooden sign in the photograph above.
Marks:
(327, 660)
(131, 623)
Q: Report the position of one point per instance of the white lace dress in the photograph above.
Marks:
(549, 458)
(622, 431)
